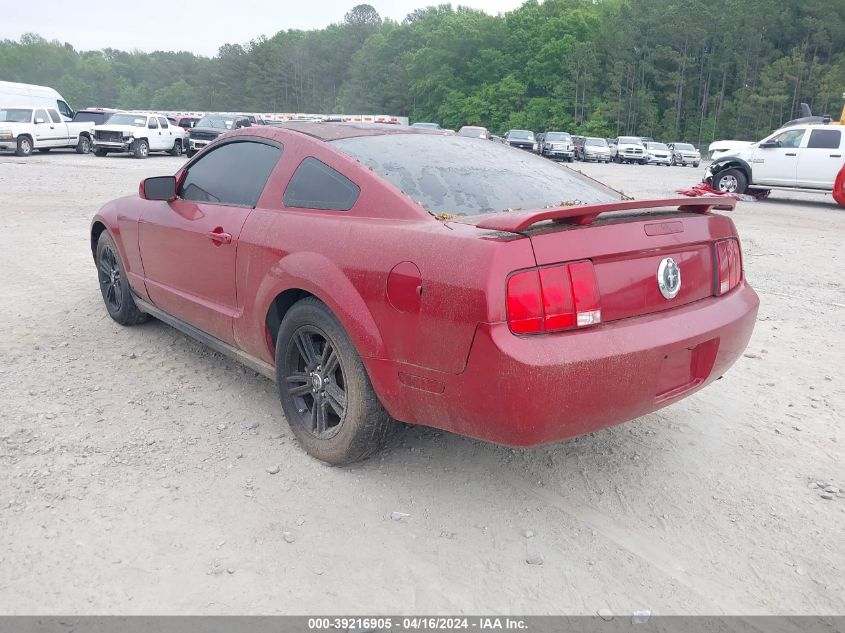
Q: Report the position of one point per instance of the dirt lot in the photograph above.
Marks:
(135, 462)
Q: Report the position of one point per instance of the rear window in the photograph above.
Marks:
(824, 139)
(315, 185)
(459, 176)
(90, 117)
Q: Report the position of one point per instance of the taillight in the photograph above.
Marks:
(728, 265)
(553, 298)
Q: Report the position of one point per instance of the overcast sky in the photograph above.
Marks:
(199, 27)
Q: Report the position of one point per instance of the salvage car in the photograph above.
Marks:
(210, 127)
(629, 149)
(657, 153)
(138, 133)
(592, 148)
(522, 139)
(684, 154)
(557, 145)
(23, 129)
(803, 158)
(383, 273)
(474, 131)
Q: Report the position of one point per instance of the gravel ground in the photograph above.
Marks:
(137, 467)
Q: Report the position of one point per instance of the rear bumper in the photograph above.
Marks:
(532, 390)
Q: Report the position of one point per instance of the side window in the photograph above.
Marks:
(315, 185)
(41, 114)
(163, 122)
(55, 116)
(789, 139)
(64, 108)
(233, 174)
(825, 139)
(152, 124)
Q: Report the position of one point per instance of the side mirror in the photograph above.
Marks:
(158, 188)
(38, 121)
(769, 145)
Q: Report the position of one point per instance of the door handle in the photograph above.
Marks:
(836, 155)
(219, 237)
(791, 154)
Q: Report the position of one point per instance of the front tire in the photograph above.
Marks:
(326, 394)
(141, 149)
(100, 152)
(114, 284)
(84, 145)
(177, 148)
(24, 147)
(190, 152)
(730, 181)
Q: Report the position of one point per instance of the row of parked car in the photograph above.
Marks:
(106, 131)
(567, 147)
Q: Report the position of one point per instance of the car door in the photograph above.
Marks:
(778, 164)
(59, 128)
(821, 159)
(189, 246)
(167, 135)
(42, 128)
(154, 135)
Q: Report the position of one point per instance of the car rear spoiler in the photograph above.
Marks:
(585, 213)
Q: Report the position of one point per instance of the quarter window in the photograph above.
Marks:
(825, 139)
(232, 174)
(315, 185)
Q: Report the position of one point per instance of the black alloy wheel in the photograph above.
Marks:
(111, 280)
(315, 380)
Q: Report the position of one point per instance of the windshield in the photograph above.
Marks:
(427, 126)
(456, 176)
(15, 115)
(685, 146)
(630, 140)
(596, 142)
(474, 132)
(522, 135)
(222, 124)
(657, 146)
(127, 119)
(558, 136)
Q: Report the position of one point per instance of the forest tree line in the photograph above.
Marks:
(692, 70)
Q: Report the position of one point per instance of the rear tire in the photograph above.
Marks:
(177, 148)
(730, 181)
(114, 285)
(326, 394)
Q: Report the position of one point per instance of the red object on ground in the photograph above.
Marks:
(839, 187)
(520, 333)
(703, 189)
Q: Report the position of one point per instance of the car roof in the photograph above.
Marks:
(336, 131)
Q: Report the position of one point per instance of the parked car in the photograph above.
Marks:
(684, 154)
(804, 158)
(187, 122)
(474, 131)
(25, 128)
(657, 153)
(593, 148)
(138, 133)
(523, 139)
(330, 267)
(210, 127)
(97, 116)
(629, 149)
(558, 145)
(12, 93)
(538, 142)
(426, 125)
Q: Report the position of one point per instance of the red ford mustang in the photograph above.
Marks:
(381, 274)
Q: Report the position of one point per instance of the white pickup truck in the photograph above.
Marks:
(138, 133)
(797, 158)
(23, 129)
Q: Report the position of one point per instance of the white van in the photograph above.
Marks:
(14, 94)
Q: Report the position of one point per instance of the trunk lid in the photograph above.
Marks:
(627, 250)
